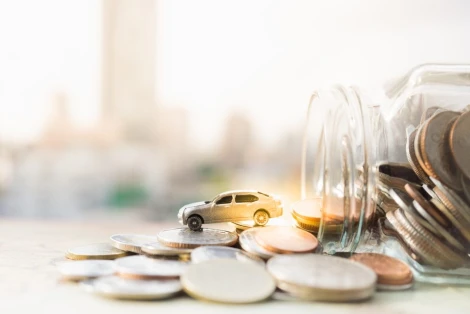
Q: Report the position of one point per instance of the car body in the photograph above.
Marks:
(231, 206)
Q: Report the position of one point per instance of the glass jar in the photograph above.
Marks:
(356, 167)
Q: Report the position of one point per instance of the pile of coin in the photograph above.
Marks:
(428, 201)
(206, 266)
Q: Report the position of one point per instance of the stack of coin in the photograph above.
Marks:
(322, 278)
(392, 274)
(431, 210)
(267, 242)
(307, 215)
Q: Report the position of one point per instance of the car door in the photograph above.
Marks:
(246, 205)
(222, 209)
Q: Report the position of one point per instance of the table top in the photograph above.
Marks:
(30, 283)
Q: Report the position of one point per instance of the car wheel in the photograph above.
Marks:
(195, 223)
(261, 217)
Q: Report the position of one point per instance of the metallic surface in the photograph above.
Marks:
(131, 242)
(79, 270)
(186, 238)
(142, 267)
(460, 143)
(286, 240)
(205, 253)
(95, 251)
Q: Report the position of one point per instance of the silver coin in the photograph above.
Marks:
(79, 270)
(131, 242)
(322, 277)
(120, 288)
(95, 251)
(401, 199)
(249, 244)
(228, 281)
(382, 287)
(141, 267)
(205, 253)
(157, 248)
(186, 238)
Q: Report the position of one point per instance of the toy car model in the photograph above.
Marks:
(231, 206)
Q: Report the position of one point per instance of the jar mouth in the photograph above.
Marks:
(335, 167)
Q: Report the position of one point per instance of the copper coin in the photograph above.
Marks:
(460, 142)
(389, 270)
(435, 148)
(286, 240)
(428, 113)
(430, 209)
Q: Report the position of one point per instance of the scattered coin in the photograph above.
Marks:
(142, 267)
(390, 271)
(120, 288)
(80, 270)
(286, 240)
(95, 251)
(205, 253)
(131, 242)
(157, 248)
(186, 238)
(249, 244)
(322, 277)
(228, 281)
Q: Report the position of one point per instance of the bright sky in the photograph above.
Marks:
(262, 57)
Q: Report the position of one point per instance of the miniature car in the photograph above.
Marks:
(231, 206)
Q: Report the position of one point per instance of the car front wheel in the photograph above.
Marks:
(195, 223)
(261, 217)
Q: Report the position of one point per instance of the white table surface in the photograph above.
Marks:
(29, 282)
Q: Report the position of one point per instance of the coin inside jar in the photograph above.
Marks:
(84, 269)
(205, 253)
(131, 242)
(460, 142)
(389, 270)
(286, 240)
(95, 251)
(186, 238)
(120, 288)
(228, 281)
(142, 267)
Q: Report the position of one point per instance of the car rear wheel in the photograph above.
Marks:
(195, 223)
(261, 217)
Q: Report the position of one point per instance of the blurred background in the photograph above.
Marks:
(131, 109)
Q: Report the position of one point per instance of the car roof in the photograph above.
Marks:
(242, 192)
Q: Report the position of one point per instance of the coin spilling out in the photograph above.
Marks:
(205, 253)
(186, 238)
(249, 243)
(95, 251)
(131, 242)
(228, 281)
(142, 267)
(390, 271)
(120, 288)
(159, 249)
(286, 240)
(322, 277)
(80, 270)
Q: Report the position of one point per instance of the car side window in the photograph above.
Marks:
(246, 198)
(225, 200)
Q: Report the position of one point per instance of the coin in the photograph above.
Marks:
(428, 113)
(419, 198)
(244, 225)
(228, 281)
(95, 251)
(157, 248)
(249, 243)
(131, 242)
(186, 238)
(205, 253)
(383, 287)
(286, 240)
(322, 277)
(460, 143)
(389, 270)
(142, 267)
(120, 288)
(413, 159)
(79, 270)
(435, 148)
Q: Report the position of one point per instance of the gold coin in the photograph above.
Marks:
(95, 251)
(286, 240)
(228, 281)
(131, 242)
